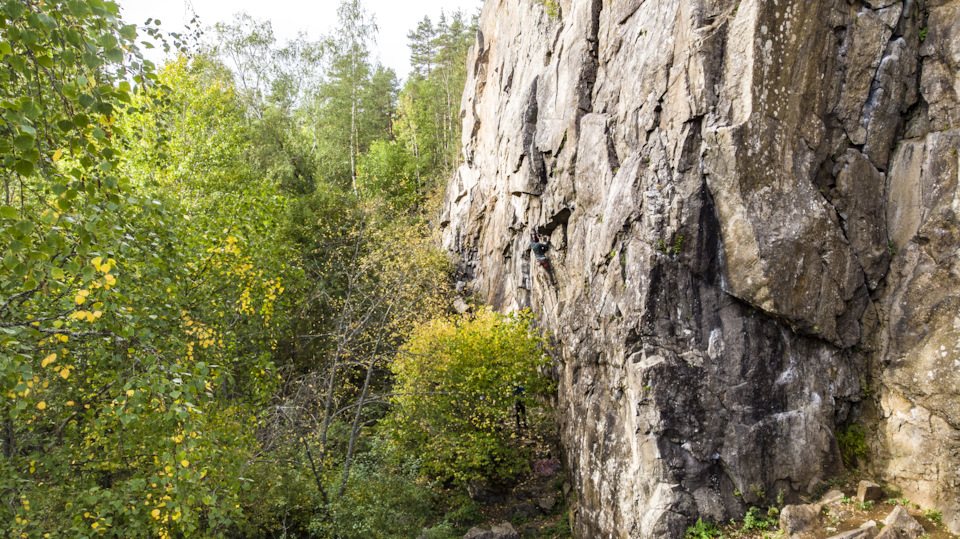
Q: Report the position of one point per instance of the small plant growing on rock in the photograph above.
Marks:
(552, 7)
(702, 530)
(756, 521)
(934, 516)
(853, 445)
(864, 506)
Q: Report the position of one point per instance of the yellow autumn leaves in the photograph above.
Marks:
(81, 297)
(86, 315)
(104, 268)
(48, 360)
(106, 282)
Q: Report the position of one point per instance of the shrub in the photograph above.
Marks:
(853, 445)
(560, 530)
(381, 502)
(457, 385)
(755, 520)
(934, 516)
(702, 530)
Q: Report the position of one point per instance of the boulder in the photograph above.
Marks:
(868, 491)
(483, 493)
(504, 530)
(899, 519)
(479, 533)
(525, 510)
(547, 503)
(800, 518)
(892, 533)
(834, 496)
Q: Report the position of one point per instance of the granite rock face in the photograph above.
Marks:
(753, 217)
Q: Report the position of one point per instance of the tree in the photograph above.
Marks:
(422, 54)
(427, 121)
(458, 381)
(354, 106)
(135, 336)
(369, 279)
(267, 75)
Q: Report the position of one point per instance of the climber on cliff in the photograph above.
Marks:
(540, 245)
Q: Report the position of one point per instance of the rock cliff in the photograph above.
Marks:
(753, 209)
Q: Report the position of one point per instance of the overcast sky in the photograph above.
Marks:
(316, 17)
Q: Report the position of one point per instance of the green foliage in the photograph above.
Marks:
(923, 34)
(464, 512)
(702, 530)
(353, 105)
(560, 530)
(552, 7)
(427, 123)
(456, 389)
(864, 506)
(136, 313)
(386, 170)
(853, 445)
(755, 520)
(381, 502)
(207, 271)
(934, 516)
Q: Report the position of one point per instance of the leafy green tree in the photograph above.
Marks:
(388, 171)
(457, 386)
(136, 329)
(248, 45)
(354, 105)
(426, 124)
(265, 73)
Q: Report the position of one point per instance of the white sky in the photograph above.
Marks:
(394, 19)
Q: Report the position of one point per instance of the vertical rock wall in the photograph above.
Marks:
(753, 210)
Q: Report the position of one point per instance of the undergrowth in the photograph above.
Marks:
(853, 445)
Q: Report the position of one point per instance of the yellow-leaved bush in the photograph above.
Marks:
(458, 382)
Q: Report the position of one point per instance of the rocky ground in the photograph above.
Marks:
(535, 508)
(851, 508)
